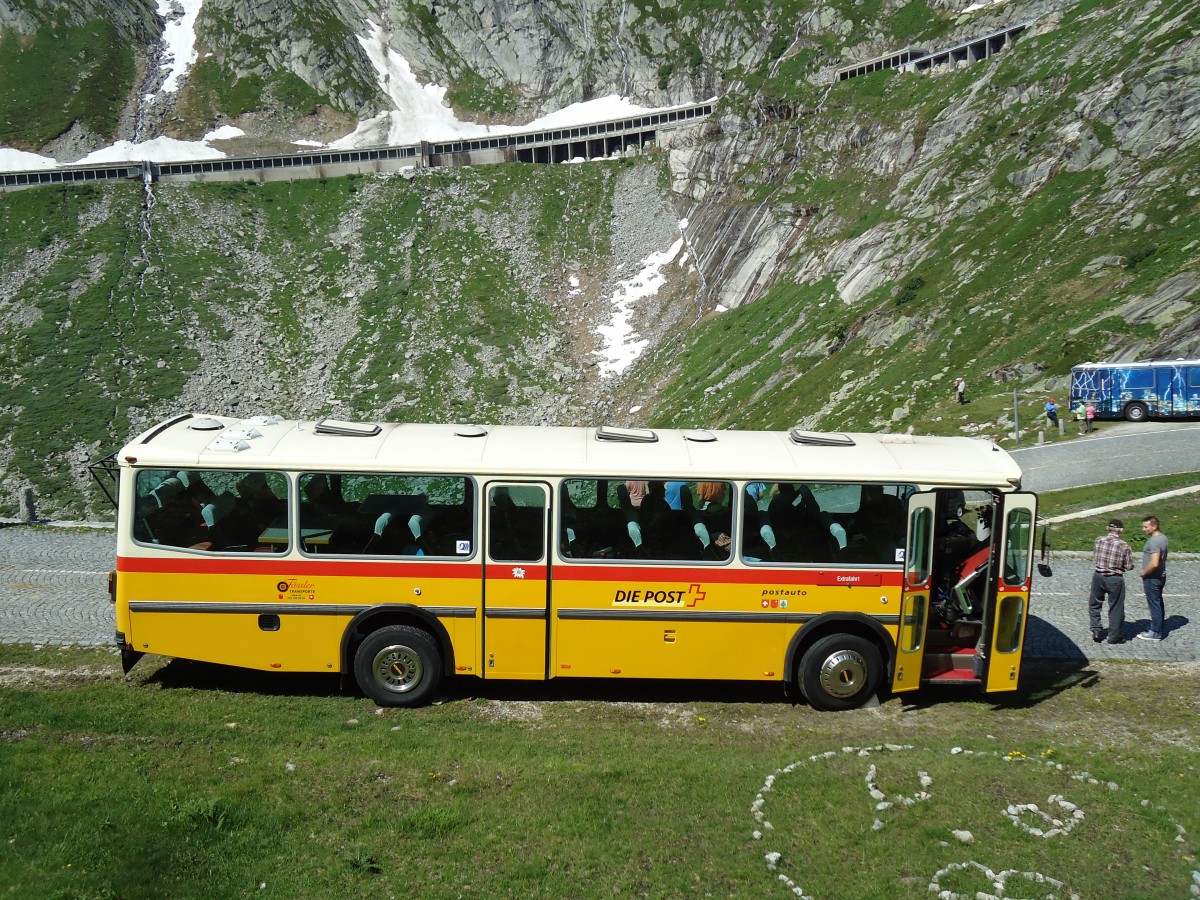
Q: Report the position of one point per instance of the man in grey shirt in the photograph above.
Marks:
(1154, 577)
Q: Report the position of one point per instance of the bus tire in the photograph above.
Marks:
(398, 666)
(840, 671)
(1137, 412)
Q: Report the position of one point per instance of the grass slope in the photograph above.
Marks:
(60, 75)
(1001, 286)
(411, 300)
(215, 782)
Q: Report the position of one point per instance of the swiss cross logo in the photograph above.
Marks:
(695, 595)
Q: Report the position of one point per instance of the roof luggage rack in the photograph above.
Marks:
(106, 469)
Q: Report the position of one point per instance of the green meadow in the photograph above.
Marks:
(191, 780)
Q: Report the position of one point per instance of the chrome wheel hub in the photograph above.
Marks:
(843, 674)
(397, 669)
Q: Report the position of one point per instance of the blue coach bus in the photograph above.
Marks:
(1138, 390)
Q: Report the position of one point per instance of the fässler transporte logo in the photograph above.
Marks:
(296, 589)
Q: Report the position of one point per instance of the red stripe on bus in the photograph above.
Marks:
(880, 577)
(281, 567)
(419, 569)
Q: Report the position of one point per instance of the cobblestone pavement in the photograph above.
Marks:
(54, 585)
(53, 590)
(1058, 624)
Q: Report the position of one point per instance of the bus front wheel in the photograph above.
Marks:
(840, 671)
(398, 666)
(1137, 412)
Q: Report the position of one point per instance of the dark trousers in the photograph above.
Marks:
(1112, 587)
(1154, 600)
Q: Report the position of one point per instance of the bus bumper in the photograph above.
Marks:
(129, 656)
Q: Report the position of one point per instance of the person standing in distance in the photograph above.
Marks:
(1052, 412)
(1154, 576)
(1113, 558)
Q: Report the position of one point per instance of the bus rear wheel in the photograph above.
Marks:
(840, 671)
(398, 666)
(1137, 412)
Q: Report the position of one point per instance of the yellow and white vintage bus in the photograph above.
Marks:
(401, 554)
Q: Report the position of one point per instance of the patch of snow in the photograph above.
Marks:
(420, 114)
(224, 133)
(161, 149)
(179, 38)
(621, 345)
(981, 5)
(19, 160)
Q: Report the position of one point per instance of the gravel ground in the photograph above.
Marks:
(53, 590)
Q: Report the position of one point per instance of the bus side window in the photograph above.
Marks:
(516, 524)
(165, 513)
(376, 515)
(645, 519)
(824, 522)
(245, 512)
(217, 510)
(595, 519)
(802, 532)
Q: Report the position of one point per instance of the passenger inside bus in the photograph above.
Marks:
(183, 510)
(964, 550)
(713, 516)
(801, 533)
(758, 540)
(879, 527)
(666, 531)
(256, 509)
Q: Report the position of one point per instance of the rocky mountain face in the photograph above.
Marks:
(848, 247)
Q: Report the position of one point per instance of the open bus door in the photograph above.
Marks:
(914, 599)
(1007, 610)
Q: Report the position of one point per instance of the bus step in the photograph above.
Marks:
(950, 665)
(949, 648)
(951, 676)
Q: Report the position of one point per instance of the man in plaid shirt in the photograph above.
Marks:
(1113, 559)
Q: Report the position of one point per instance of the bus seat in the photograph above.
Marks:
(218, 508)
(167, 490)
(667, 533)
(757, 535)
(966, 591)
(633, 525)
(802, 535)
(195, 486)
(352, 534)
